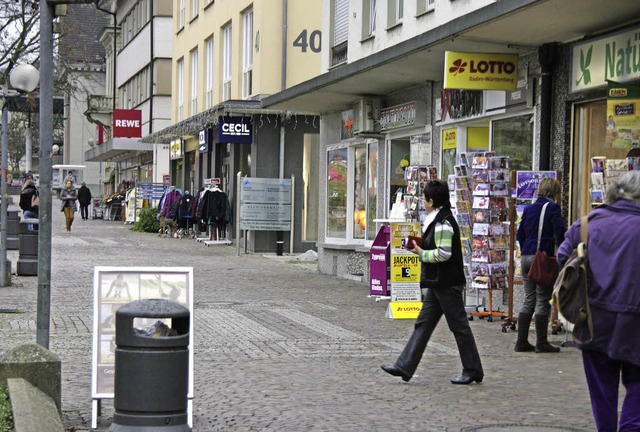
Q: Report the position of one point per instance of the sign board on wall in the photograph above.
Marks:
(480, 71)
(235, 130)
(127, 123)
(176, 150)
(203, 140)
(409, 114)
(607, 58)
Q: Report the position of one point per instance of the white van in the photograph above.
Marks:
(60, 172)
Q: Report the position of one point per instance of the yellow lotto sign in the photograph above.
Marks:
(404, 310)
(402, 230)
(449, 138)
(405, 267)
(480, 71)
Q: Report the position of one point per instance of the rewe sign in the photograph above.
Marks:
(127, 123)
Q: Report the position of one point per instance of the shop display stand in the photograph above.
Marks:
(461, 200)
(489, 243)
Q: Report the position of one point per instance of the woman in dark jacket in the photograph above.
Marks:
(536, 297)
(442, 273)
(26, 198)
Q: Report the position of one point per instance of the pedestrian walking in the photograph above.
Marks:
(536, 297)
(69, 195)
(442, 273)
(614, 300)
(84, 199)
(29, 200)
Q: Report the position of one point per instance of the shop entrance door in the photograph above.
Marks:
(589, 136)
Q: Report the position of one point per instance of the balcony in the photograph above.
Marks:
(100, 110)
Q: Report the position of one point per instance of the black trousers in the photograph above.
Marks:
(84, 211)
(447, 301)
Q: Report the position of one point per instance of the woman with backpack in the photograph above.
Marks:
(29, 200)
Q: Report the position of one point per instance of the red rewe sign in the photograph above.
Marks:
(127, 123)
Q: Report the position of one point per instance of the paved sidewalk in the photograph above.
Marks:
(279, 347)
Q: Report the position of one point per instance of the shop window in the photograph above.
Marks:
(400, 150)
(337, 193)
(365, 191)
(513, 137)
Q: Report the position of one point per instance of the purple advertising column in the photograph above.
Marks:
(379, 263)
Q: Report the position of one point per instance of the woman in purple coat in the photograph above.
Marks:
(614, 297)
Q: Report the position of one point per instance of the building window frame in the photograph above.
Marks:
(395, 13)
(209, 78)
(369, 13)
(425, 6)
(194, 81)
(339, 31)
(195, 8)
(180, 85)
(181, 14)
(226, 61)
(247, 54)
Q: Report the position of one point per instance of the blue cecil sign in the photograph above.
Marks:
(235, 130)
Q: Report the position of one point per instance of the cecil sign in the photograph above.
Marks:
(235, 130)
(480, 71)
(127, 123)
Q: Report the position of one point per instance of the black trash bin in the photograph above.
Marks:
(151, 370)
(28, 251)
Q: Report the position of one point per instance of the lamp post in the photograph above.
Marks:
(23, 78)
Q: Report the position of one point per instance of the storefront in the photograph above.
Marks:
(597, 128)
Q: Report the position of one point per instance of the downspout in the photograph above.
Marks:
(151, 95)
(283, 86)
(546, 57)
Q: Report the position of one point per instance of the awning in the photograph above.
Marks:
(117, 149)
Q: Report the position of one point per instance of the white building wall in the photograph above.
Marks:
(78, 130)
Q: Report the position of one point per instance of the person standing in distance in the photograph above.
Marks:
(614, 299)
(84, 199)
(536, 297)
(29, 211)
(68, 195)
(442, 273)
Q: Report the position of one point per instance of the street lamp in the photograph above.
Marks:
(23, 78)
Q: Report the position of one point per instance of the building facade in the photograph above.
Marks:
(385, 60)
(227, 56)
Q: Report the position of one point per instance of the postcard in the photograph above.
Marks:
(597, 164)
(597, 196)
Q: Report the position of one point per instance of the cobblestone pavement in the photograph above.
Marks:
(280, 347)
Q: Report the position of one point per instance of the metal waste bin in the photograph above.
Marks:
(13, 230)
(28, 251)
(151, 369)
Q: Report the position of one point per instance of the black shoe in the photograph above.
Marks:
(395, 371)
(466, 379)
(546, 347)
(525, 347)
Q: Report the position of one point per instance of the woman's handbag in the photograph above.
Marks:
(570, 292)
(35, 201)
(544, 268)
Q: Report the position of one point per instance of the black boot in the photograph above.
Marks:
(542, 345)
(522, 344)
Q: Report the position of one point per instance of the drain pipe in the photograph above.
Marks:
(283, 85)
(547, 57)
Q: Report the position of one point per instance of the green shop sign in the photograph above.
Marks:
(615, 57)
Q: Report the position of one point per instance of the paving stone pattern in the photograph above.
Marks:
(280, 347)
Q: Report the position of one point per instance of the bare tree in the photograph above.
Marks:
(19, 34)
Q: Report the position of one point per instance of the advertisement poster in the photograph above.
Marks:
(527, 182)
(117, 286)
(405, 272)
(623, 118)
(480, 71)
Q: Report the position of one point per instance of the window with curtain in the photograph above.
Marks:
(209, 74)
(226, 62)
(368, 18)
(195, 8)
(247, 54)
(181, 14)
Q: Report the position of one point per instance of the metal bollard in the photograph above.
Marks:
(151, 369)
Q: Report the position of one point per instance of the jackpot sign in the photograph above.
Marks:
(480, 71)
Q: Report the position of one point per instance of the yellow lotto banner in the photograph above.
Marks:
(402, 230)
(405, 267)
(449, 138)
(404, 310)
(480, 71)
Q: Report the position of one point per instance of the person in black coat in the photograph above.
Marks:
(84, 199)
(29, 211)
